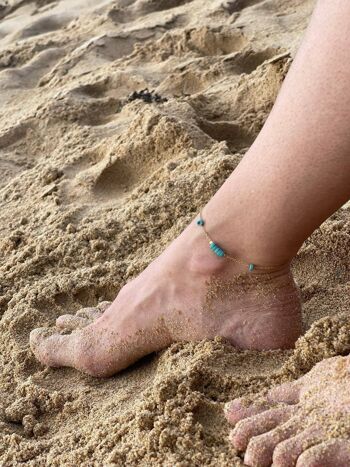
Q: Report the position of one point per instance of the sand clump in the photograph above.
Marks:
(93, 188)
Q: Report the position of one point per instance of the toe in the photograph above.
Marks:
(102, 306)
(288, 393)
(238, 409)
(53, 349)
(260, 448)
(90, 313)
(71, 322)
(80, 350)
(287, 452)
(250, 427)
(333, 453)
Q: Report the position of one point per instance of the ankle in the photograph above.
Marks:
(199, 259)
(246, 242)
(191, 251)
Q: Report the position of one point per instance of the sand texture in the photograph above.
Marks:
(93, 187)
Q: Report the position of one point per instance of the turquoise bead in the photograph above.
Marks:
(200, 222)
(216, 249)
(251, 267)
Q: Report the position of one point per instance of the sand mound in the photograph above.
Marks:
(94, 186)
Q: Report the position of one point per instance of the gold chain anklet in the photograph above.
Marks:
(222, 254)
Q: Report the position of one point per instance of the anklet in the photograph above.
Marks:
(222, 254)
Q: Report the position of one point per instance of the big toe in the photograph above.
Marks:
(53, 349)
(80, 350)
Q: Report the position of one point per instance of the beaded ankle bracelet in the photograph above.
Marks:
(222, 254)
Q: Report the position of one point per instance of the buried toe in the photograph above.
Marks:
(332, 453)
(251, 427)
(53, 349)
(239, 409)
(288, 393)
(103, 306)
(71, 322)
(89, 313)
(260, 448)
(287, 452)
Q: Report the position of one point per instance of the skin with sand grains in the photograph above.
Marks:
(94, 188)
(304, 423)
(259, 311)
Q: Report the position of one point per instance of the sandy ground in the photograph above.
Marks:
(93, 187)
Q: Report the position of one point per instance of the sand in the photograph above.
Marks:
(93, 187)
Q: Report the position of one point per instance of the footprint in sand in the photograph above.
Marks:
(233, 6)
(136, 9)
(29, 75)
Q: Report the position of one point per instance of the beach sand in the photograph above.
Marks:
(93, 187)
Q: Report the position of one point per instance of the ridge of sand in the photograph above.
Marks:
(94, 187)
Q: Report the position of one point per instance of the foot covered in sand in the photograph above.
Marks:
(305, 423)
(186, 294)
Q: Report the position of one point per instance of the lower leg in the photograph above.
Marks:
(297, 173)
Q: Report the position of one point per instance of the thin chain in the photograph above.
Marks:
(232, 258)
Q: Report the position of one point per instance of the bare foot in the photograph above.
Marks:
(305, 423)
(187, 293)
